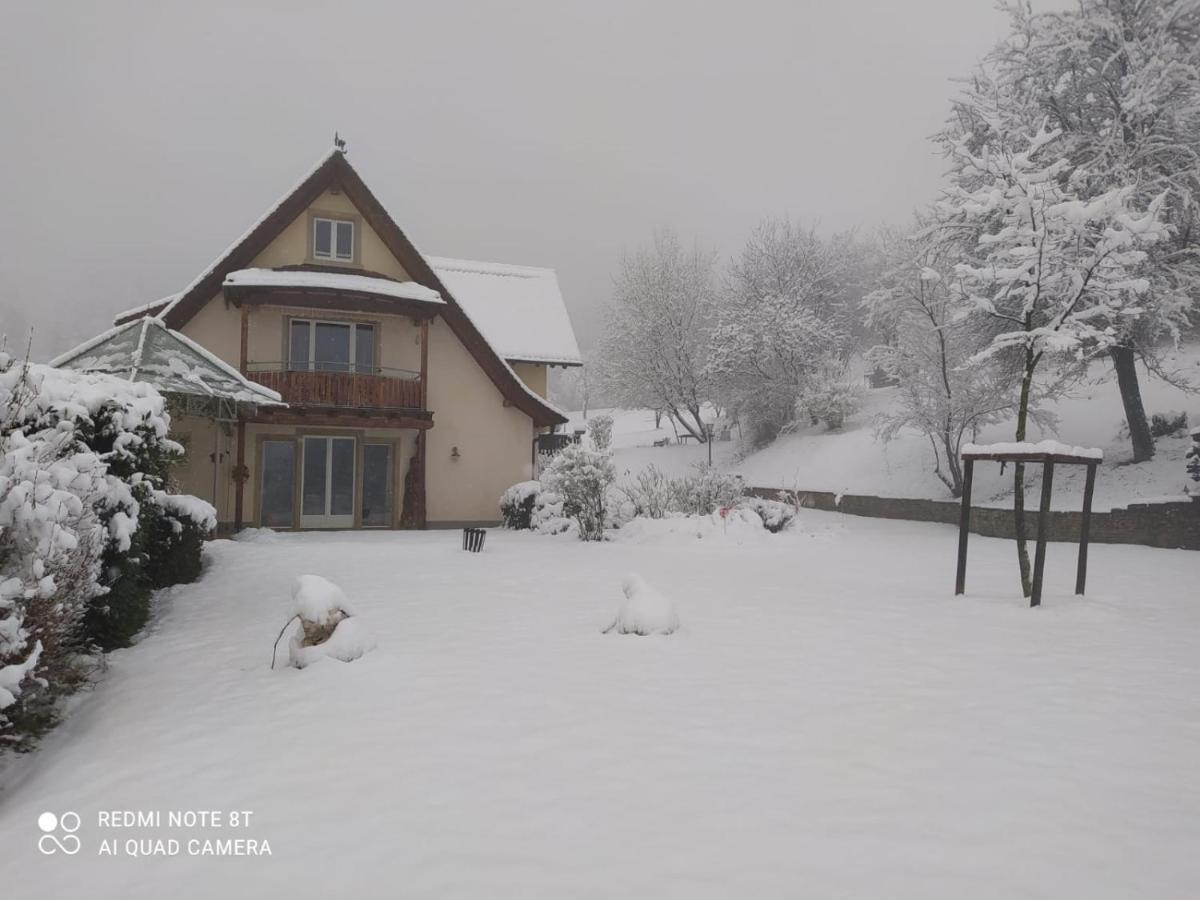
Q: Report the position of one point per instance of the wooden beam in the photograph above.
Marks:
(420, 507)
(239, 477)
(345, 419)
(964, 527)
(245, 340)
(1039, 557)
(1085, 527)
(424, 364)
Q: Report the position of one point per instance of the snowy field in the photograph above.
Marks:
(829, 722)
(854, 461)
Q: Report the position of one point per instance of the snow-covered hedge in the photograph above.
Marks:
(85, 529)
(701, 492)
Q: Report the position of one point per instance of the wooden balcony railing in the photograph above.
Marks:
(378, 389)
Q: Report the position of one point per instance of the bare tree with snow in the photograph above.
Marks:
(1120, 80)
(655, 346)
(929, 346)
(785, 320)
(1061, 274)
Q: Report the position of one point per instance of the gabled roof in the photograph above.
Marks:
(146, 350)
(519, 308)
(335, 172)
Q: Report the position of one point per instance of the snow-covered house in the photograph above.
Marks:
(415, 387)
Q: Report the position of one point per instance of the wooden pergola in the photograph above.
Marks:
(1048, 458)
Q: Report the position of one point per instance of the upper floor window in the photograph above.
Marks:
(316, 346)
(333, 239)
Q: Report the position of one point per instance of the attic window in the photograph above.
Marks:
(333, 239)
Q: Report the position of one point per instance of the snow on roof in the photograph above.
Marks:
(302, 279)
(1052, 447)
(519, 309)
(146, 350)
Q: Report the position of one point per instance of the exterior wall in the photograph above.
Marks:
(291, 247)
(1171, 525)
(534, 375)
(494, 441)
(398, 339)
(201, 438)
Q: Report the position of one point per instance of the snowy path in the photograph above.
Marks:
(829, 722)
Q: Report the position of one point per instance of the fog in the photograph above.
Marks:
(140, 139)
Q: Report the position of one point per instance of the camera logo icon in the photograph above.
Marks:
(52, 827)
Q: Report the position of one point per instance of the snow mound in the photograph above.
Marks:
(256, 536)
(737, 526)
(318, 600)
(350, 640)
(645, 610)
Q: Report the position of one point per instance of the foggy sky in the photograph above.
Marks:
(140, 139)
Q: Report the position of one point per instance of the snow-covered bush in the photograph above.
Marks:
(831, 400)
(548, 516)
(644, 611)
(582, 478)
(328, 627)
(82, 461)
(1165, 425)
(1193, 463)
(707, 490)
(775, 514)
(600, 431)
(652, 494)
(517, 504)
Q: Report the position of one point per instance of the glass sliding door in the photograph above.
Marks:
(327, 490)
(316, 346)
(278, 483)
(377, 485)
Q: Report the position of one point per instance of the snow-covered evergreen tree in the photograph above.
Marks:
(581, 477)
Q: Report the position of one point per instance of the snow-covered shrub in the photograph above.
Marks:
(82, 458)
(328, 627)
(582, 478)
(652, 494)
(600, 432)
(775, 514)
(708, 490)
(1165, 425)
(517, 504)
(644, 611)
(1193, 463)
(180, 530)
(548, 517)
(831, 400)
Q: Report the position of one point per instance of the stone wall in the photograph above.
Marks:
(1172, 525)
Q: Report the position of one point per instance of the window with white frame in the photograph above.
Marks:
(321, 346)
(333, 239)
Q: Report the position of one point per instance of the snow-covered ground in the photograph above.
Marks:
(854, 461)
(829, 721)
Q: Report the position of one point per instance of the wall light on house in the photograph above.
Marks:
(454, 454)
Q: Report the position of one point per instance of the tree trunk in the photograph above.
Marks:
(1125, 365)
(1019, 474)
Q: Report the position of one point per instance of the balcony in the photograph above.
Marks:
(376, 388)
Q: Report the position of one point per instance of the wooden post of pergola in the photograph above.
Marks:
(1049, 454)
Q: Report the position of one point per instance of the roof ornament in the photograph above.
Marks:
(339, 143)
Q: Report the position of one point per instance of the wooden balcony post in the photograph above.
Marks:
(424, 363)
(245, 339)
